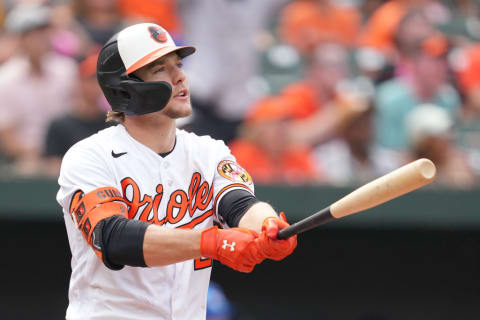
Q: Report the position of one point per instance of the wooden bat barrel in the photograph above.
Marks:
(405, 179)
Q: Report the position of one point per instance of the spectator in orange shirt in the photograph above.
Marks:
(263, 149)
(396, 27)
(162, 12)
(305, 24)
(379, 32)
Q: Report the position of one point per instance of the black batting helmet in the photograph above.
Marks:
(127, 51)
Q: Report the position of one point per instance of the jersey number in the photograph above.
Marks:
(202, 263)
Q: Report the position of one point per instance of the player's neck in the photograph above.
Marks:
(158, 135)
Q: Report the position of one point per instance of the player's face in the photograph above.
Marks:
(169, 69)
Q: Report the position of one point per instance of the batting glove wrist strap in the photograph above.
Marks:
(236, 248)
(208, 244)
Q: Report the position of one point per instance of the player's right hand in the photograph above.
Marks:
(235, 248)
(269, 245)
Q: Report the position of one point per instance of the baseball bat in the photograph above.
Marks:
(405, 179)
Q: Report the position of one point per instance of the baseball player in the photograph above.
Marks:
(140, 198)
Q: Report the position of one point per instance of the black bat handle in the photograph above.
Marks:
(318, 218)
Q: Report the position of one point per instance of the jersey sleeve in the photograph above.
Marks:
(84, 169)
(229, 175)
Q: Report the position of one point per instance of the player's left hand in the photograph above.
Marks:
(269, 245)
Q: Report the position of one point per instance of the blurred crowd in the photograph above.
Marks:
(333, 92)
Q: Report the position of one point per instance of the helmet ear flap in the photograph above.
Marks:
(146, 97)
(134, 77)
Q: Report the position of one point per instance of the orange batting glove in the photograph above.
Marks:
(269, 245)
(235, 248)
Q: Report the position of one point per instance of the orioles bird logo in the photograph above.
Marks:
(158, 34)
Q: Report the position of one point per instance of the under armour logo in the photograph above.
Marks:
(226, 244)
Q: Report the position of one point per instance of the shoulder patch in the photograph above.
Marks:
(233, 171)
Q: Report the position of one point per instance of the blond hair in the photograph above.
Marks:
(116, 116)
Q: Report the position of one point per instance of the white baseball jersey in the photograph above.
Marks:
(181, 189)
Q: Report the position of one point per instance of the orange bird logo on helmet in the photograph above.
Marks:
(158, 34)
